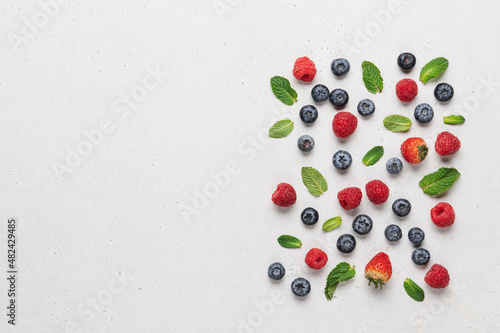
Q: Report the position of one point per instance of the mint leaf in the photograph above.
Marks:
(342, 272)
(281, 129)
(433, 69)
(397, 123)
(332, 223)
(454, 120)
(438, 182)
(371, 77)
(314, 181)
(283, 91)
(289, 242)
(413, 290)
(373, 155)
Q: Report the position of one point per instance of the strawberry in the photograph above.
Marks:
(379, 270)
(414, 150)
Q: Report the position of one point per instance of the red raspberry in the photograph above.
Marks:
(304, 69)
(316, 258)
(443, 215)
(344, 124)
(406, 89)
(377, 192)
(447, 144)
(350, 197)
(437, 277)
(285, 195)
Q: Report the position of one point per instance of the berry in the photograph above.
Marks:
(414, 150)
(406, 89)
(393, 233)
(406, 61)
(346, 243)
(342, 160)
(362, 224)
(309, 216)
(301, 287)
(377, 192)
(320, 93)
(339, 98)
(416, 235)
(340, 67)
(308, 114)
(285, 195)
(316, 258)
(401, 207)
(437, 277)
(366, 107)
(394, 165)
(447, 144)
(443, 92)
(276, 271)
(421, 256)
(423, 113)
(379, 270)
(305, 143)
(304, 69)
(350, 197)
(443, 215)
(344, 124)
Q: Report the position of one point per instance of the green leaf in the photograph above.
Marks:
(371, 77)
(289, 242)
(281, 129)
(454, 120)
(433, 69)
(314, 181)
(413, 290)
(342, 272)
(397, 123)
(283, 91)
(373, 155)
(438, 182)
(332, 223)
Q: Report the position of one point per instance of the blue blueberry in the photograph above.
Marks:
(401, 207)
(301, 287)
(421, 256)
(416, 235)
(393, 233)
(320, 93)
(309, 216)
(340, 67)
(308, 114)
(342, 160)
(362, 224)
(276, 271)
(443, 92)
(339, 98)
(366, 107)
(423, 113)
(346, 243)
(394, 165)
(406, 61)
(305, 143)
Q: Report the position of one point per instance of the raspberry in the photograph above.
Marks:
(316, 258)
(406, 89)
(344, 124)
(350, 197)
(304, 69)
(285, 195)
(443, 215)
(446, 144)
(437, 277)
(377, 192)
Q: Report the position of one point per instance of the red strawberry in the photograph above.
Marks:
(379, 270)
(437, 277)
(414, 150)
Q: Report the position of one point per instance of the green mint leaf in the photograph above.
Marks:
(438, 182)
(433, 69)
(371, 77)
(454, 120)
(283, 91)
(281, 129)
(314, 181)
(413, 290)
(332, 223)
(397, 123)
(342, 272)
(330, 289)
(373, 155)
(289, 242)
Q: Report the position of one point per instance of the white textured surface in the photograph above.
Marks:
(120, 209)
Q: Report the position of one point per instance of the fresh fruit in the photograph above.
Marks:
(437, 277)
(406, 61)
(320, 93)
(339, 98)
(346, 243)
(423, 113)
(301, 287)
(350, 197)
(344, 124)
(309, 216)
(416, 235)
(342, 160)
(305, 143)
(447, 144)
(443, 215)
(414, 150)
(308, 114)
(362, 224)
(340, 66)
(304, 69)
(421, 256)
(379, 270)
(393, 233)
(377, 192)
(406, 90)
(366, 107)
(394, 165)
(401, 207)
(443, 92)
(285, 195)
(276, 271)
(316, 258)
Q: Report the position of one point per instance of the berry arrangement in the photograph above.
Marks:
(414, 150)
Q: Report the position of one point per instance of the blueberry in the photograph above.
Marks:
(342, 160)
(320, 93)
(305, 143)
(340, 67)
(309, 216)
(394, 165)
(443, 92)
(301, 287)
(346, 243)
(420, 256)
(366, 107)
(308, 114)
(339, 98)
(416, 235)
(362, 224)
(401, 207)
(406, 61)
(393, 233)
(276, 271)
(423, 113)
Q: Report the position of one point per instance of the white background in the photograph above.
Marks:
(120, 224)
